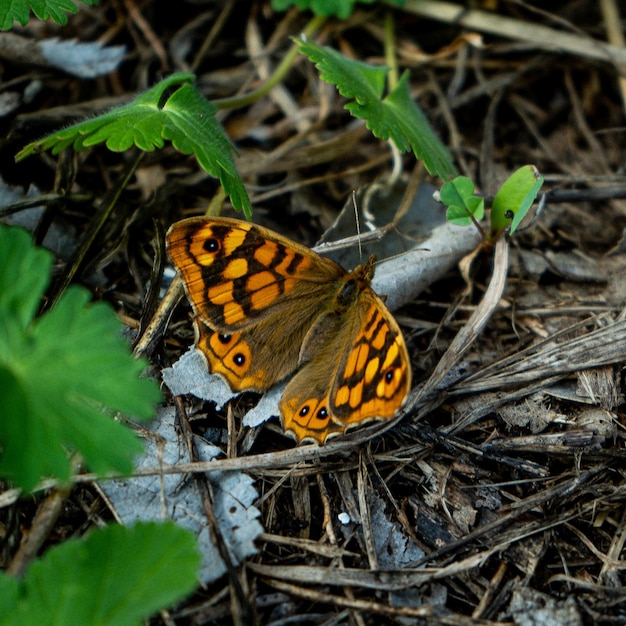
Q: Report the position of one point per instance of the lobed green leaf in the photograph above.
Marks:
(62, 376)
(24, 279)
(115, 576)
(326, 8)
(12, 11)
(396, 117)
(172, 110)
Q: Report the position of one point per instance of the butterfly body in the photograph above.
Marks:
(267, 307)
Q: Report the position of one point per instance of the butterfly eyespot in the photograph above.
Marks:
(389, 375)
(211, 245)
(239, 359)
(304, 411)
(224, 338)
(322, 413)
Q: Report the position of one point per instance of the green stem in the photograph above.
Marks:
(278, 75)
(391, 58)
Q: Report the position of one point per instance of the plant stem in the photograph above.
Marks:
(391, 58)
(279, 74)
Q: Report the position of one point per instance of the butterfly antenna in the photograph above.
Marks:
(358, 225)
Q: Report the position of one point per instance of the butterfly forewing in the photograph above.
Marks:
(237, 273)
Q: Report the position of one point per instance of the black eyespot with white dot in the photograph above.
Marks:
(322, 414)
(239, 359)
(212, 245)
(389, 375)
(304, 411)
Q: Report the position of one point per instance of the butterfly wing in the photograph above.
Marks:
(370, 373)
(255, 293)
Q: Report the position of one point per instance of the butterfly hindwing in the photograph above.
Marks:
(369, 380)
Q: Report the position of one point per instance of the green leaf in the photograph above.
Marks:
(514, 198)
(396, 117)
(455, 192)
(460, 215)
(174, 110)
(9, 596)
(115, 576)
(326, 8)
(20, 299)
(458, 196)
(192, 128)
(62, 376)
(19, 11)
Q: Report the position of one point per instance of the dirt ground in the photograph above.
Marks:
(499, 497)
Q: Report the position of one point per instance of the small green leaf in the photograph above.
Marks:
(396, 117)
(19, 11)
(455, 192)
(115, 576)
(172, 110)
(458, 196)
(514, 198)
(62, 376)
(461, 215)
(326, 8)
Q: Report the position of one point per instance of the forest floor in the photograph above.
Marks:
(501, 498)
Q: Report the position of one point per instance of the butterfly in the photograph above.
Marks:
(266, 307)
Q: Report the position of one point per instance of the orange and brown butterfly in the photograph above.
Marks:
(266, 307)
